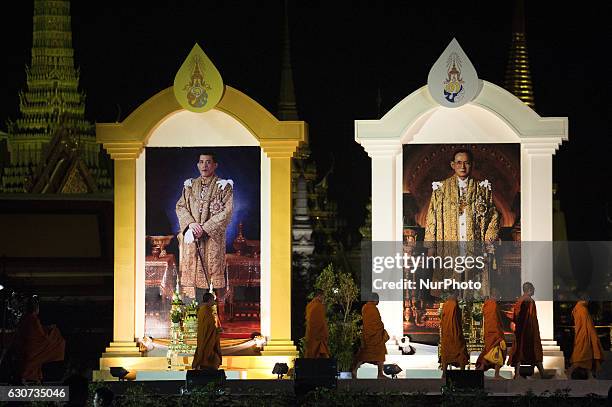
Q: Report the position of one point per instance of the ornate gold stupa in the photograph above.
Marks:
(52, 146)
(518, 77)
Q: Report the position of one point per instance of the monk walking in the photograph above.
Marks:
(588, 352)
(527, 346)
(494, 352)
(208, 350)
(453, 351)
(373, 338)
(317, 334)
(36, 345)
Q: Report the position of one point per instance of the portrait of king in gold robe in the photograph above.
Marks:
(204, 211)
(461, 212)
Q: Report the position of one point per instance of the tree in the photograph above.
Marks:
(341, 293)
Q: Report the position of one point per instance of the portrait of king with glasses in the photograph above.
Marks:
(461, 207)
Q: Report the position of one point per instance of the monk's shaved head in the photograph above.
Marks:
(207, 297)
(528, 288)
(583, 296)
(452, 295)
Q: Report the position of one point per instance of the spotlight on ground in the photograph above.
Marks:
(392, 370)
(280, 369)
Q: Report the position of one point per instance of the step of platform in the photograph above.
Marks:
(251, 367)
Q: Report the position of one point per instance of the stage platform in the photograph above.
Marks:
(242, 361)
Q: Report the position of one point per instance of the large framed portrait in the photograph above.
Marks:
(460, 201)
(203, 230)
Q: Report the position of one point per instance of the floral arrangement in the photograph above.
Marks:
(191, 311)
(176, 299)
(176, 316)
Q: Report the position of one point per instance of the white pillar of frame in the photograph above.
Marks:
(385, 201)
(537, 226)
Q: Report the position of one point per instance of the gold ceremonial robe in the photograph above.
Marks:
(482, 219)
(481, 223)
(211, 206)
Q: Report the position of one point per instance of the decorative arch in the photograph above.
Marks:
(123, 138)
(493, 116)
(125, 142)
(521, 119)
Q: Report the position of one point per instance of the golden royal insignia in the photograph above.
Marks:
(198, 85)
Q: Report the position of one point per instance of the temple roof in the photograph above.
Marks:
(51, 99)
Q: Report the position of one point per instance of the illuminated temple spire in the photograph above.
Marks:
(518, 76)
(51, 144)
(303, 172)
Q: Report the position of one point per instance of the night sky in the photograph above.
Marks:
(342, 53)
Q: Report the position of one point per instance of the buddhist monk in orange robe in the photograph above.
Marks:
(588, 352)
(373, 338)
(493, 336)
(317, 334)
(527, 346)
(453, 351)
(36, 345)
(208, 350)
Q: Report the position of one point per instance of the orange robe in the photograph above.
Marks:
(493, 332)
(208, 350)
(36, 346)
(317, 334)
(588, 353)
(452, 350)
(527, 346)
(373, 335)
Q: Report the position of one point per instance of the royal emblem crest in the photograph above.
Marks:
(452, 80)
(198, 85)
(453, 85)
(196, 88)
